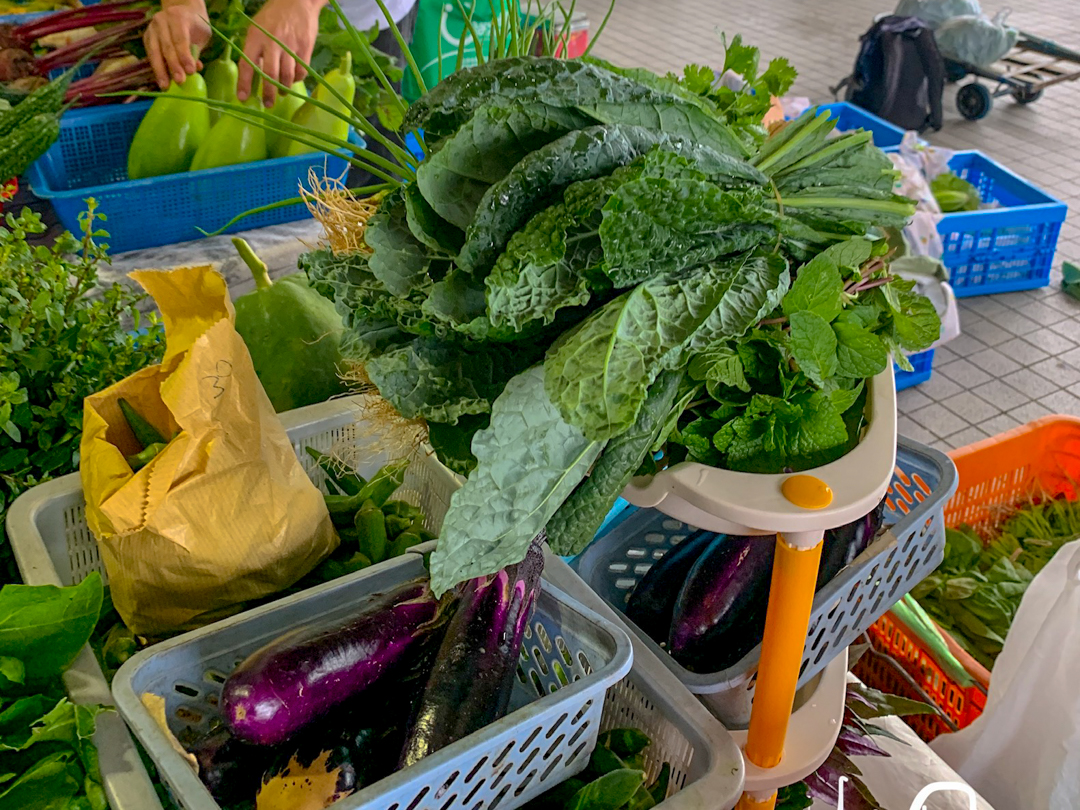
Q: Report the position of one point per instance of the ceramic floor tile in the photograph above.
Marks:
(1030, 412)
(1032, 384)
(1019, 351)
(1058, 371)
(1062, 402)
(965, 373)
(1003, 396)
(994, 362)
(973, 409)
(999, 424)
(1049, 341)
(939, 387)
(939, 420)
(968, 435)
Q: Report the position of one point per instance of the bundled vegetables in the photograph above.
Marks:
(975, 592)
(612, 231)
(954, 193)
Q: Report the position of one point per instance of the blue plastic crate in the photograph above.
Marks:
(922, 366)
(1001, 249)
(851, 117)
(90, 160)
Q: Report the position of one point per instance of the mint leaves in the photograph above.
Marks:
(790, 394)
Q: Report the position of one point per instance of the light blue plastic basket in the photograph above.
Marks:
(850, 117)
(1003, 249)
(90, 160)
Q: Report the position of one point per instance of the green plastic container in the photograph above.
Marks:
(440, 26)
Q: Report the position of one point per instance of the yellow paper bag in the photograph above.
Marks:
(224, 513)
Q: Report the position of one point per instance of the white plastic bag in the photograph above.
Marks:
(1024, 751)
(975, 39)
(935, 12)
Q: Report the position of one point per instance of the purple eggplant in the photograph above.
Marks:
(720, 612)
(844, 544)
(228, 767)
(477, 661)
(308, 672)
(652, 604)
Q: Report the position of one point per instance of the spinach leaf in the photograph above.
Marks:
(598, 373)
(499, 134)
(45, 626)
(576, 522)
(540, 177)
(610, 792)
(442, 381)
(49, 784)
(528, 462)
(813, 345)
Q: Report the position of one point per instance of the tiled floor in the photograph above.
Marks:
(1019, 356)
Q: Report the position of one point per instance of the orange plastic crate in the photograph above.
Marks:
(961, 705)
(1042, 457)
(881, 671)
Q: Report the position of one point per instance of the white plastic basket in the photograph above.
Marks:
(52, 545)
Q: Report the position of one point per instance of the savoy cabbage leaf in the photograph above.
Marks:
(528, 461)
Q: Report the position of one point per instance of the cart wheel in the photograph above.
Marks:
(954, 71)
(1025, 96)
(973, 101)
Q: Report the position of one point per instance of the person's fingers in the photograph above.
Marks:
(271, 66)
(300, 73)
(180, 33)
(287, 70)
(153, 50)
(253, 51)
(172, 59)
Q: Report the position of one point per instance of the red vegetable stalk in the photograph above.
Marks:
(109, 38)
(83, 17)
(92, 90)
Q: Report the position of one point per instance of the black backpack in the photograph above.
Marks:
(899, 74)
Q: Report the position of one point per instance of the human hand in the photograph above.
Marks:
(173, 31)
(296, 24)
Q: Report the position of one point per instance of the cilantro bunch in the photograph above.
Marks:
(742, 108)
(789, 394)
(61, 339)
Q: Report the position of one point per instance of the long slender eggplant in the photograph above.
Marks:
(310, 671)
(720, 613)
(844, 544)
(476, 664)
(652, 604)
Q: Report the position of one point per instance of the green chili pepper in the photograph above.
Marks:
(145, 433)
(143, 457)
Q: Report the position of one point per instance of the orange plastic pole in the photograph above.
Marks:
(748, 802)
(791, 599)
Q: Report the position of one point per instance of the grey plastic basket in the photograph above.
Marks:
(571, 659)
(52, 544)
(924, 481)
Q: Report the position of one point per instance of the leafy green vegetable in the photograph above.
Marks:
(484, 151)
(954, 193)
(610, 792)
(45, 626)
(599, 372)
(576, 522)
(528, 462)
(975, 592)
(536, 179)
(46, 751)
(62, 338)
